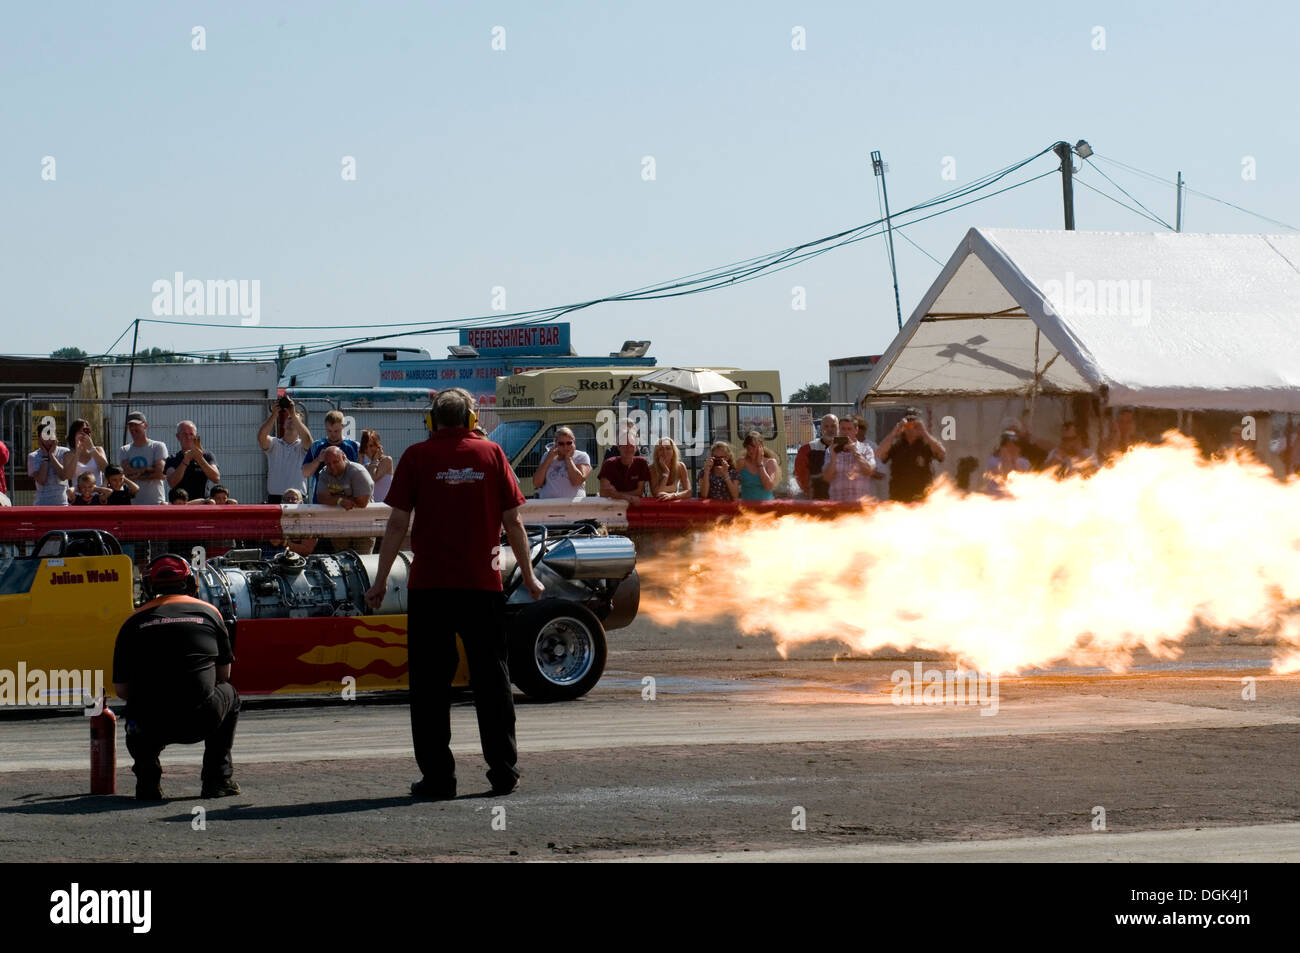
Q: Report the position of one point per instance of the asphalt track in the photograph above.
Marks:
(741, 755)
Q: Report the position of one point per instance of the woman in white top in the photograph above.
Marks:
(84, 456)
(377, 463)
(562, 474)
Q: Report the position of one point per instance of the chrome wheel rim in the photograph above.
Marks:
(564, 651)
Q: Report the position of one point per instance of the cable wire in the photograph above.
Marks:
(1150, 213)
(1204, 195)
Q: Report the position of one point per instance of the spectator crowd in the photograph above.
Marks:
(840, 464)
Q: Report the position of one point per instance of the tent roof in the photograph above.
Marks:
(1173, 320)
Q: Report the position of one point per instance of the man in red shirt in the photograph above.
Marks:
(625, 476)
(463, 491)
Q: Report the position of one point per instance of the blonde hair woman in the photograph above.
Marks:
(668, 477)
(720, 480)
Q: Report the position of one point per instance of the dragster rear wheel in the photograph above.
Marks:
(557, 650)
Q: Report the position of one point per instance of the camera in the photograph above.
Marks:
(719, 461)
(841, 443)
(284, 403)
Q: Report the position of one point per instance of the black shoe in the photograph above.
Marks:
(149, 791)
(434, 792)
(505, 787)
(227, 788)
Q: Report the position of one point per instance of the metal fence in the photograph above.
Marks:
(227, 428)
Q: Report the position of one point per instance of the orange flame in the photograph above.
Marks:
(1085, 571)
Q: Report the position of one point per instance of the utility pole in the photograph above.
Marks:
(1178, 220)
(1062, 149)
(879, 167)
(130, 377)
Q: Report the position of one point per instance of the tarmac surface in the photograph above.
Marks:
(740, 755)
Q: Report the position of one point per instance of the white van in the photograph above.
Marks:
(345, 366)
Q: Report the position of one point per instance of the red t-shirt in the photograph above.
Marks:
(625, 478)
(458, 486)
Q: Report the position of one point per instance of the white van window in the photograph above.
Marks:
(761, 418)
(513, 436)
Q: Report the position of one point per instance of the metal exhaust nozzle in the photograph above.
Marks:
(592, 557)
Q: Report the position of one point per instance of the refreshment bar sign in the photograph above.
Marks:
(529, 339)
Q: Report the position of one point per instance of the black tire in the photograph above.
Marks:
(557, 650)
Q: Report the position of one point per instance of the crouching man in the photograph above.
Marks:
(171, 665)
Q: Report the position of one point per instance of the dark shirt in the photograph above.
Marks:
(193, 481)
(79, 501)
(168, 653)
(817, 454)
(625, 478)
(120, 497)
(1036, 455)
(718, 489)
(909, 469)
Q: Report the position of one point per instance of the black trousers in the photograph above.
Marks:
(434, 618)
(148, 733)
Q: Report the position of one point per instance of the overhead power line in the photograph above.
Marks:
(1149, 218)
(1150, 214)
(1205, 195)
(696, 283)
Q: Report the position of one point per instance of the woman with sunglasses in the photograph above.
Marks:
(84, 456)
(562, 474)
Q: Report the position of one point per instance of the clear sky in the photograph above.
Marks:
(523, 168)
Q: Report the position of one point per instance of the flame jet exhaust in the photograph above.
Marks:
(1081, 571)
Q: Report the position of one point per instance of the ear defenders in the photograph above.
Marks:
(471, 420)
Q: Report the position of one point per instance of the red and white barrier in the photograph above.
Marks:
(256, 521)
(305, 521)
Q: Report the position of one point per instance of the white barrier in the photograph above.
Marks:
(308, 520)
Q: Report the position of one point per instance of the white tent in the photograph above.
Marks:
(1165, 320)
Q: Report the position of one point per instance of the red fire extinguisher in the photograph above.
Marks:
(103, 750)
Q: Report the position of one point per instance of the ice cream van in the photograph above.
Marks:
(599, 403)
